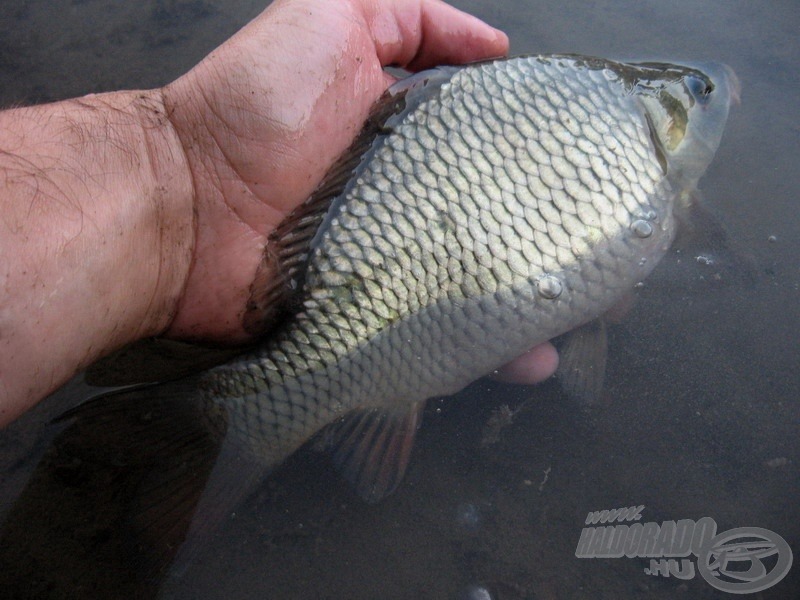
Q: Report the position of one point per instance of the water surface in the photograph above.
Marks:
(702, 406)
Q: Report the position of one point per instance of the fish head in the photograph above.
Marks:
(686, 107)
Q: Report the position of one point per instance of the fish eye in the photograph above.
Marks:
(699, 88)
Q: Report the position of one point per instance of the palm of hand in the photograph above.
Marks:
(265, 115)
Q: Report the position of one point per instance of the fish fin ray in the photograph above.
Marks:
(372, 448)
(165, 444)
(156, 359)
(582, 361)
(704, 240)
(279, 278)
(277, 288)
(232, 479)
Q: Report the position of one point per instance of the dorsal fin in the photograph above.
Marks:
(279, 279)
(372, 448)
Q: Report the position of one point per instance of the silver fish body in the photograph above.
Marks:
(500, 205)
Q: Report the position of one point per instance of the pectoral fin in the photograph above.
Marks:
(703, 242)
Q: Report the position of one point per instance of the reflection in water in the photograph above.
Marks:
(699, 415)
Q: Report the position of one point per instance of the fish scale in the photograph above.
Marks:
(427, 269)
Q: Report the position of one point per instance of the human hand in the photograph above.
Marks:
(266, 114)
(156, 204)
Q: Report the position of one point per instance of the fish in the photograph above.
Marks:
(483, 209)
(488, 208)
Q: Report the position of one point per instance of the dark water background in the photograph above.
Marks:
(702, 407)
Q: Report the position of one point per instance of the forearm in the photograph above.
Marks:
(96, 234)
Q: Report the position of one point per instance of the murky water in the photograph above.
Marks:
(700, 415)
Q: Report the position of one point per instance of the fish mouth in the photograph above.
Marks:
(724, 76)
(688, 108)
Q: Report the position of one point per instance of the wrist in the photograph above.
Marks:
(170, 208)
(97, 232)
(145, 209)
